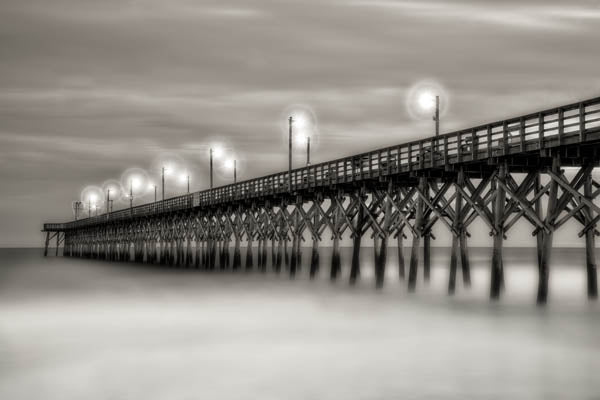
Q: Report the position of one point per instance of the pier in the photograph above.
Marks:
(498, 173)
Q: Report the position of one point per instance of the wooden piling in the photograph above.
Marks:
(497, 261)
(400, 246)
(273, 251)
(293, 260)
(590, 243)
(356, 242)
(237, 255)
(264, 255)
(414, 255)
(336, 266)
(456, 225)
(259, 253)
(464, 258)
(46, 244)
(314, 259)
(249, 258)
(376, 258)
(280, 248)
(542, 294)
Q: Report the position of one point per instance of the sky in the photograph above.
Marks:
(89, 89)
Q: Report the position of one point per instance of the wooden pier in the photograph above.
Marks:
(498, 173)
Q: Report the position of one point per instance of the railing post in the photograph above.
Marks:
(540, 131)
(561, 125)
(505, 138)
(522, 134)
(473, 145)
(489, 141)
(446, 150)
(459, 147)
(582, 122)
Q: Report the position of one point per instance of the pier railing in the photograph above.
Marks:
(573, 123)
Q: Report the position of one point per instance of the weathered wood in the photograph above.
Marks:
(414, 256)
(46, 244)
(249, 257)
(456, 233)
(426, 240)
(590, 244)
(314, 259)
(400, 246)
(464, 258)
(382, 256)
(273, 251)
(542, 293)
(497, 262)
(237, 255)
(293, 260)
(376, 257)
(259, 253)
(355, 267)
(336, 266)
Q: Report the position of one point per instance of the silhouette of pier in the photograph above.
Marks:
(498, 173)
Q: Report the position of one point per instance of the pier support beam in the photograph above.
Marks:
(356, 242)
(382, 256)
(237, 255)
(400, 245)
(497, 260)
(249, 257)
(542, 293)
(46, 244)
(590, 243)
(456, 234)
(336, 266)
(414, 255)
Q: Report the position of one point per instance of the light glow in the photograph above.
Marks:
(421, 99)
(218, 152)
(426, 101)
(229, 163)
(135, 182)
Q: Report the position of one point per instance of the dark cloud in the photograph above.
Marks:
(90, 88)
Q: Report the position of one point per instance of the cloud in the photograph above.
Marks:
(524, 15)
(90, 88)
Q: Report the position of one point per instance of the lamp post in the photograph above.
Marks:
(290, 121)
(211, 168)
(308, 151)
(130, 193)
(436, 117)
(234, 171)
(107, 201)
(163, 184)
(89, 208)
(188, 184)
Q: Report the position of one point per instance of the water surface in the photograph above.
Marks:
(85, 329)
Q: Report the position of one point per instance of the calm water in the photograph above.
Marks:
(81, 329)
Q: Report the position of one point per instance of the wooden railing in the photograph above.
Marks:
(544, 129)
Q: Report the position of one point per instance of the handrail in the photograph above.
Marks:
(542, 129)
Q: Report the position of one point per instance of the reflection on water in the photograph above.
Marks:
(82, 329)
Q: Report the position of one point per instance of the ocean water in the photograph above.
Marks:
(85, 329)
